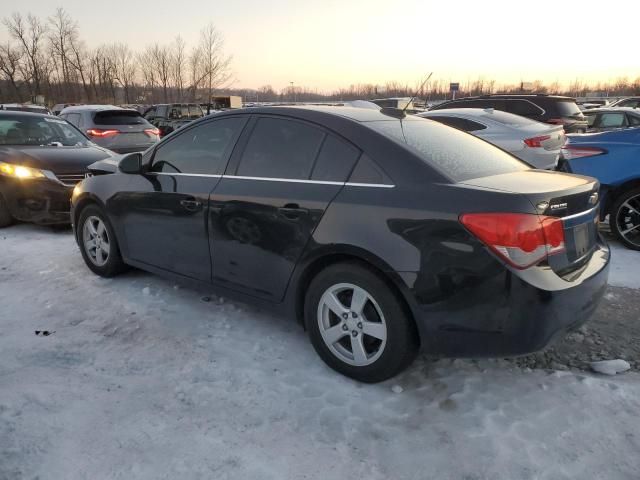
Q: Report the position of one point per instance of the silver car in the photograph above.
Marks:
(118, 129)
(536, 143)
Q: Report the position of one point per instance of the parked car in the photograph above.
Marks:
(612, 158)
(24, 107)
(58, 107)
(603, 119)
(381, 232)
(589, 104)
(630, 102)
(115, 128)
(42, 157)
(172, 116)
(536, 143)
(552, 109)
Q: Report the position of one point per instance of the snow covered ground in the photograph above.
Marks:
(143, 379)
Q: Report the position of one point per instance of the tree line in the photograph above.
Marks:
(46, 56)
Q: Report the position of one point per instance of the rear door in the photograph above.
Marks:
(281, 179)
(164, 212)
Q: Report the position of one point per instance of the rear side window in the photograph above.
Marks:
(457, 155)
(203, 149)
(568, 108)
(118, 117)
(524, 108)
(459, 123)
(613, 120)
(280, 148)
(367, 171)
(335, 161)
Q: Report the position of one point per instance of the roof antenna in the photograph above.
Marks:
(417, 91)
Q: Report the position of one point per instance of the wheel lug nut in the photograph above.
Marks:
(345, 315)
(354, 315)
(345, 327)
(354, 333)
(360, 325)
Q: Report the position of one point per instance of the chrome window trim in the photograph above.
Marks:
(269, 179)
(581, 214)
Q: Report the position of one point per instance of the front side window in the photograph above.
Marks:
(203, 149)
(280, 148)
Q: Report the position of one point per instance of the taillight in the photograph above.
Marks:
(521, 239)
(570, 152)
(98, 132)
(536, 142)
(152, 131)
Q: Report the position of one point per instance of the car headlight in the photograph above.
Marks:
(19, 171)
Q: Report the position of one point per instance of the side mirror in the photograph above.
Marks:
(131, 163)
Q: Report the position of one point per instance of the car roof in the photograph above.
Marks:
(463, 112)
(305, 111)
(612, 110)
(91, 108)
(13, 113)
(516, 96)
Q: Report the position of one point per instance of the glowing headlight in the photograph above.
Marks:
(19, 171)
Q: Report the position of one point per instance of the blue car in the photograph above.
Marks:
(614, 159)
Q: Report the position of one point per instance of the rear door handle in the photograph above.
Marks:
(191, 205)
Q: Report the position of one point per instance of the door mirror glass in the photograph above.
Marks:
(131, 163)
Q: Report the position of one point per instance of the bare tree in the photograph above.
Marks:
(62, 34)
(30, 35)
(10, 58)
(124, 68)
(214, 63)
(178, 65)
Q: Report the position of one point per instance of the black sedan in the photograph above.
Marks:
(42, 158)
(381, 233)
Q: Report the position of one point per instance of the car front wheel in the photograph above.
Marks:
(98, 242)
(358, 325)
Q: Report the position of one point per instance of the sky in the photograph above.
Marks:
(327, 44)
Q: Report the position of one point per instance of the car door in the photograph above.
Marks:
(279, 182)
(164, 211)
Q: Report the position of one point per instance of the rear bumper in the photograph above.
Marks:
(41, 201)
(508, 316)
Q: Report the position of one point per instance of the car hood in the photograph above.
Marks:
(55, 159)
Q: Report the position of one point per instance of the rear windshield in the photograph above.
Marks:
(458, 155)
(508, 118)
(118, 117)
(568, 108)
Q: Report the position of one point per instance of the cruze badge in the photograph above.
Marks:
(558, 206)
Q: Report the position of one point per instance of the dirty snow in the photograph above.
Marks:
(142, 380)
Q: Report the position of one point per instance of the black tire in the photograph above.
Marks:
(401, 344)
(113, 264)
(5, 216)
(615, 219)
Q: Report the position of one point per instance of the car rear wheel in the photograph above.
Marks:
(98, 242)
(5, 217)
(625, 218)
(358, 325)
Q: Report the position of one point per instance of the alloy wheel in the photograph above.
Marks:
(352, 324)
(95, 238)
(628, 220)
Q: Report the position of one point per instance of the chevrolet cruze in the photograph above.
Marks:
(381, 233)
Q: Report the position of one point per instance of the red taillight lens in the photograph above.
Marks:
(152, 131)
(536, 142)
(521, 239)
(98, 132)
(570, 152)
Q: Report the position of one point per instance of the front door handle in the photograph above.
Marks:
(191, 205)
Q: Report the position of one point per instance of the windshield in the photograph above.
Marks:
(33, 130)
(458, 155)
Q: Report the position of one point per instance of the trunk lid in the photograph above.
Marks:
(572, 198)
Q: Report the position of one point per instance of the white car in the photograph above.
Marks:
(536, 143)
